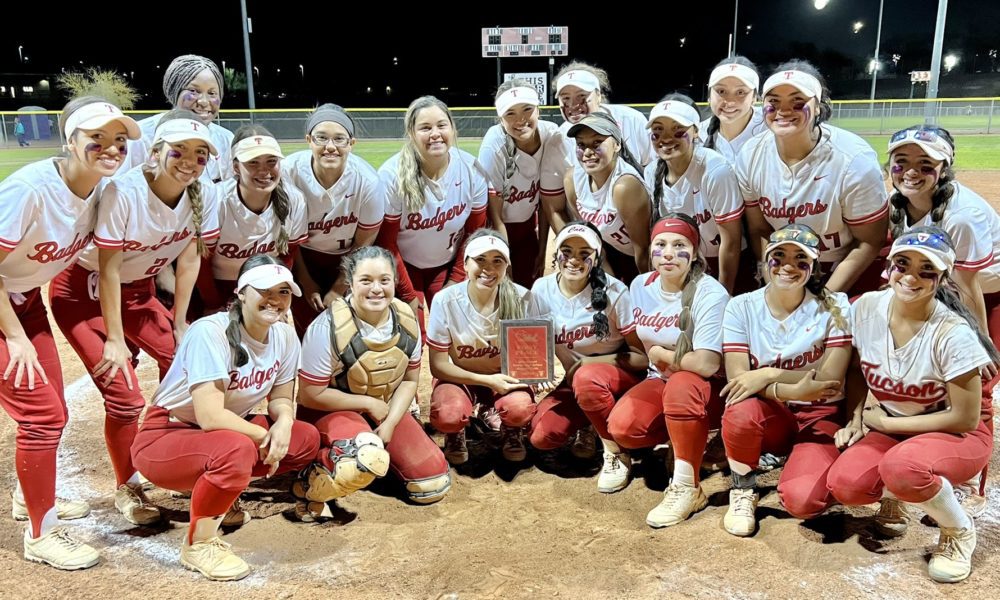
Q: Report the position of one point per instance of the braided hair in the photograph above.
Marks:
(182, 70)
(279, 196)
(713, 122)
(598, 281)
(942, 195)
(685, 341)
(661, 165)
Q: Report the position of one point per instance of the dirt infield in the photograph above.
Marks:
(539, 530)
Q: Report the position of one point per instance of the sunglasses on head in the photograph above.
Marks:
(793, 234)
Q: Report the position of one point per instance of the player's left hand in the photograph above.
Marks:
(848, 436)
(874, 417)
(744, 385)
(180, 328)
(384, 431)
(988, 372)
(114, 360)
(329, 297)
(275, 444)
(545, 387)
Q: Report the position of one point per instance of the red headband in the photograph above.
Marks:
(676, 226)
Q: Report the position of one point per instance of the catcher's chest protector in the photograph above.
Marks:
(370, 368)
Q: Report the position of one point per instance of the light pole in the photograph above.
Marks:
(878, 40)
(302, 71)
(930, 112)
(246, 57)
(20, 55)
(736, 14)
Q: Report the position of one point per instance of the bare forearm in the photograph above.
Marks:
(186, 276)
(851, 268)
(111, 305)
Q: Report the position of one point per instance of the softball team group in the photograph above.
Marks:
(745, 273)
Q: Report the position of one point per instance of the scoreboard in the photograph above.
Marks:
(504, 42)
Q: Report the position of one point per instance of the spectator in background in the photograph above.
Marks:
(19, 132)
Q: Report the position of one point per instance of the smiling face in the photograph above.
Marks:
(432, 132)
(100, 150)
(265, 307)
(789, 267)
(788, 111)
(913, 173)
(672, 140)
(671, 255)
(487, 270)
(521, 122)
(912, 277)
(330, 144)
(731, 100)
(260, 174)
(575, 103)
(594, 151)
(575, 260)
(201, 96)
(183, 161)
(373, 285)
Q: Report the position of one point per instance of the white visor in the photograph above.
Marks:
(678, 111)
(804, 82)
(265, 277)
(515, 96)
(254, 146)
(585, 80)
(180, 130)
(98, 114)
(484, 243)
(745, 74)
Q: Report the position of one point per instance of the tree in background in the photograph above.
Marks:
(236, 81)
(98, 82)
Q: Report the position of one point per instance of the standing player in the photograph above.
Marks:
(525, 160)
(194, 83)
(786, 347)
(435, 196)
(343, 208)
(47, 213)
(581, 89)
(678, 316)
(606, 188)
(359, 374)
(928, 425)
(808, 172)
(198, 435)
(145, 220)
(258, 214)
(696, 181)
(463, 339)
(596, 343)
(733, 87)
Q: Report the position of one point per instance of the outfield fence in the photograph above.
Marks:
(960, 115)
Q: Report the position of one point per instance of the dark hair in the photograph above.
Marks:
(509, 145)
(598, 281)
(825, 105)
(713, 121)
(240, 356)
(942, 193)
(350, 262)
(599, 73)
(194, 190)
(661, 165)
(279, 197)
(685, 341)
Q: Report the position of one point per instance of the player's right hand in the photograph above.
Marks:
(115, 358)
(810, 389)
(848, 436)
(377, 409)
(504, 384)
(23, 357)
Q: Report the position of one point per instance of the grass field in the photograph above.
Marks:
(974, 153)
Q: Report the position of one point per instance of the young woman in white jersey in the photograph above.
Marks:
(732, 86)
(258, 214)
(343, 208)
(582, 90)
(194, 83)
(47, 214)
(786, 348)
(606, 188)
(199, 435)
(146, 219)
(463, 337)
(359, 373)
(925, 426)
(806, 171)
(696, 181)
(525, 159)
(435, 197)
(596, 344)
(678, 317)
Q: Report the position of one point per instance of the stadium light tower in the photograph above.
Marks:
(821, 4)
(878, 40)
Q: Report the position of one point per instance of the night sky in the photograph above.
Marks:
(435, 48)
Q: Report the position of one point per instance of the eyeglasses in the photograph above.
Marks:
(804, 236)
(924, 133)
(340, 141)
(924, 239)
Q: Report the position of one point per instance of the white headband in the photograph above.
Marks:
(484, 243)
(741, 72)
(179, 130)
(515, 96)
(804, 82)
(99, 114)
(681, 112)
(265, 277)
(585, 80)
(583, 232)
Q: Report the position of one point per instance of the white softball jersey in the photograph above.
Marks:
(795, 343)
(635, 136)
(471, 339)
(913, 379)
(204, 355)
(319, 364)
(149, 233)
(431, 237)
(598, 206)
(535, 175)
(219, 168)
(244, 233)
(731, 148)
(573, 319)
(335, 215)
(974, 227)
(708, 191)
(838, 185)
(43, 225)
(657, 315)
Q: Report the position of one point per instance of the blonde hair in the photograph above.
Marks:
(511, 305)
(411, 179)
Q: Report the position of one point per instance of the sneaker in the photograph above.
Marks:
(214, 559)
(132, 504)
(952, 559)
(615, 472)
(892, 519)
(512, 444)
(58, 549)
(455, 449)
(66, 510)
(679, 502)
(584, 444)
(489, 415)
(741, 519)
(235, 516)
(972, 502)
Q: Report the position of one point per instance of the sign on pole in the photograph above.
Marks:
(503, 42)
(539, 81)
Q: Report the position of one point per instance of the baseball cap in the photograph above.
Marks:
(742, 72)
(601, 123)
(179, 130)
(256, 145)
(484, 243)
(681, 112)
(798, 235)
(584, 233)
(265, 277)
(800, 80)
(928, 138)
(515, 96)
(932, 243)
(585, 80)
(99, 114)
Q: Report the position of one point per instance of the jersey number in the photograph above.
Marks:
(156, 266)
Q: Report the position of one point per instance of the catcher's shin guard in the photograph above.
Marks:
(429, 490)
(356, 463)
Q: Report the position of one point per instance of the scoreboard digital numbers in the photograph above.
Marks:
(505, 42)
